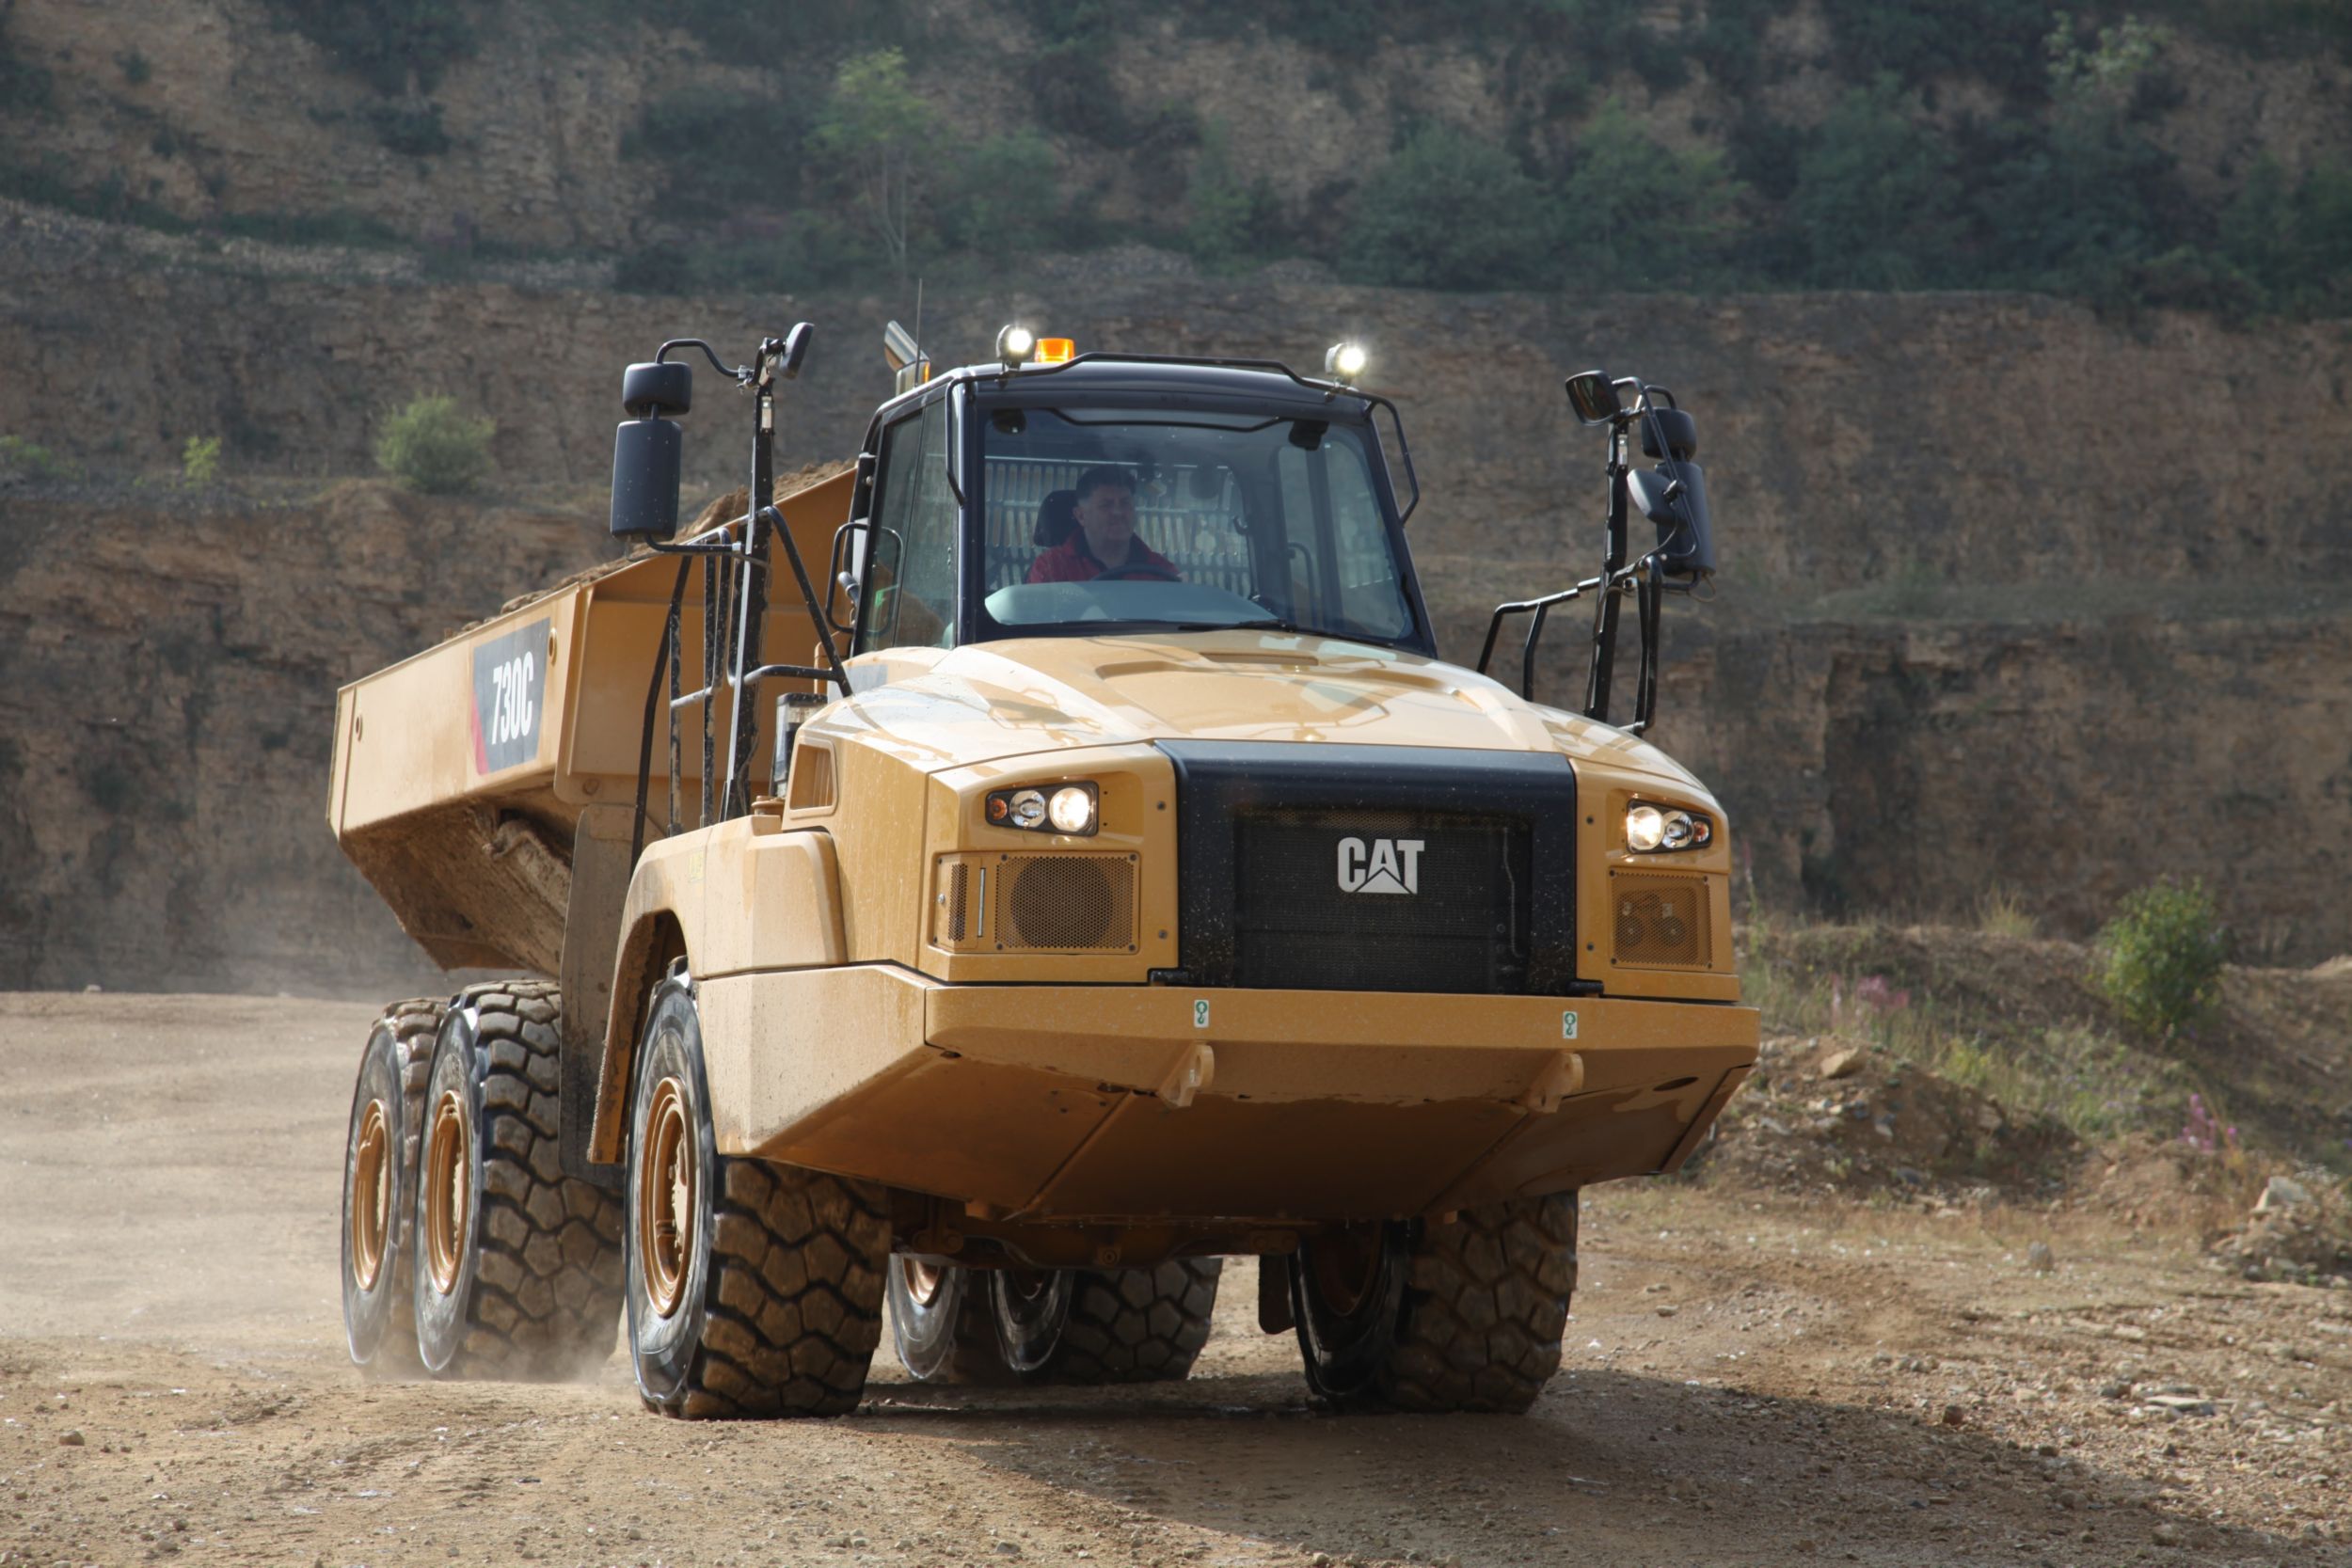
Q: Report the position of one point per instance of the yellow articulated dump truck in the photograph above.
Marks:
(1011, 873)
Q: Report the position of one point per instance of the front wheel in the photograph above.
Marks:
(754, 1288)
(1464, 1315)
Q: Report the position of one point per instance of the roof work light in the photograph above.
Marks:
(1346, 363)
(1014, 344)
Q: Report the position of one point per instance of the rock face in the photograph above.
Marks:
(2000, 608)
(166, 734)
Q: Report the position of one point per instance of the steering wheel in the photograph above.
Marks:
(1158, 574)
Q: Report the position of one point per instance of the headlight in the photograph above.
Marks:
(1072, 809)
(1068, 808)
(1669, 828)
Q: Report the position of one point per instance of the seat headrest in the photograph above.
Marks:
(1057, 518)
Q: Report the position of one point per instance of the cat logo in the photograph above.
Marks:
(1384, 865)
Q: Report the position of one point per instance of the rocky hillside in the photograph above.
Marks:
(2010, 604)
(2024, 597)
(2167, 150)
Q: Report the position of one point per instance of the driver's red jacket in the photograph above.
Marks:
(1071, 561)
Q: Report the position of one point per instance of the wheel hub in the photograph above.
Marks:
(447, 1176)
(370, 1196)
(667, 1175)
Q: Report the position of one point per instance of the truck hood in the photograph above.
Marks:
(990, 701)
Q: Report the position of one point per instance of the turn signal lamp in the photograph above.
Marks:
(1054, 351)
(1014, 344)
(1345, 362)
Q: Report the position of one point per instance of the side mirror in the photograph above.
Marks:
(845, 569)
(1594, 397)
(649, 451)
(1674, 496)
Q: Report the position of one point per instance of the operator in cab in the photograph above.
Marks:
(1103, 545)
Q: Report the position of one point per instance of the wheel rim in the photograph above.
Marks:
(1346, 1264)
(923, 1278)
(1031, 1307)
(370, 1196)
(667, 1176)
(448, 1177)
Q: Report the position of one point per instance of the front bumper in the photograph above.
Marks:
(1061, 1102)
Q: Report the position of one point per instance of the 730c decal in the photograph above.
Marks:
(510, 688)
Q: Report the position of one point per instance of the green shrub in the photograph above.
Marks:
(1006, 198)
(411, 130)
(2160, 958)
(1641, 215)
(431, 446)
(1874, 197)
(720, 153)
(1449, 211)
(393, 45)
(32, 460)
(199, 460)
(1229, 218)
(136, 67)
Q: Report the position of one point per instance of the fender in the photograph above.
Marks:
(739, 896)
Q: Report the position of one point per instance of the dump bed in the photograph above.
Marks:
(463, 774)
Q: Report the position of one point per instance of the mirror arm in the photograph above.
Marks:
(1650, 592)
(954, 455)
(1601, 667)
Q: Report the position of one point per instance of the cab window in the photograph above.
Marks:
(910, 574)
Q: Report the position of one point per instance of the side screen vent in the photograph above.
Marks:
(1049, 903)
(1661, 920)
(811, 788)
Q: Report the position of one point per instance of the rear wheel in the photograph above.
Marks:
(754, 1288)
(941, 1321)
(518, 1265)
(379, 1185)
(1096, 1326)
(1421, 1316)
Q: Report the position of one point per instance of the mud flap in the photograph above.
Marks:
(1274, 1294)
(592, 934)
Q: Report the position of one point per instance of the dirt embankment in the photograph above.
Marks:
(1748, 1379)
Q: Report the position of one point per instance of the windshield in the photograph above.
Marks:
(1100, 519)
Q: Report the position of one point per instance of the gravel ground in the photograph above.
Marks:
(1748, 1379)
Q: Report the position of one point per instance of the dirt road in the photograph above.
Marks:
(1745, 1383)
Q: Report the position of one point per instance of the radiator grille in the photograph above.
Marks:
(1661, 920)
(811, 785)
(1380, 901)
(1047, 903)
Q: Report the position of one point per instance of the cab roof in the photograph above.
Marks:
(1108, 377)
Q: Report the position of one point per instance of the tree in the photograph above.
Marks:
(1448, 211)
(1640, 213)
(1225, 212)
(880, 129)
(1875, 194)
(1009, 196)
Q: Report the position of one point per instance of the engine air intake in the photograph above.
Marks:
(811, 787)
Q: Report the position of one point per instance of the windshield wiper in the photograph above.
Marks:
(1231, 625)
